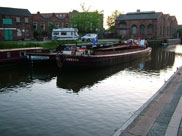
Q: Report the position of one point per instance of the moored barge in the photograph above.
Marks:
(9, 57)
(101, 57)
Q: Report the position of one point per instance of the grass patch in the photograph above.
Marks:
(52, 45)
(22, 44)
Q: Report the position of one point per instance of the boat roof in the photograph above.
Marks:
(21, 49)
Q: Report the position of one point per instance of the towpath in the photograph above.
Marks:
(161, 115)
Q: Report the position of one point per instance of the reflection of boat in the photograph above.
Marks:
(91, 58)
(75, 81)
(23, 76)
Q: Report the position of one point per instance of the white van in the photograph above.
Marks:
(65, 34)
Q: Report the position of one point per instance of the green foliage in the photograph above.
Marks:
(111, 20)
(87, 22)
(37, 35)
(180, 33)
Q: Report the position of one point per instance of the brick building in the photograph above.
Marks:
(43, 22)
(15, 24)
(146, 25)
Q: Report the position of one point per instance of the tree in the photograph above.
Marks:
(111, 20)
(86, 21)
(180, 33)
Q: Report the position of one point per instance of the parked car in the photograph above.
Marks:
(89, 37)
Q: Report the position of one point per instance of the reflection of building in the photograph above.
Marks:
(43, 22)
(160, 59)
(146, 25)
(15, 24)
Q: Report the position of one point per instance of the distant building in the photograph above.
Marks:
(15, 24)
(149, 24)
(44, 22)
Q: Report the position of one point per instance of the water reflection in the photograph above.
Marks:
(45, 93)
(161, 59)
(74, 81)
(23, 76)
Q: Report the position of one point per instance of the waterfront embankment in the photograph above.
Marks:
(161, 115)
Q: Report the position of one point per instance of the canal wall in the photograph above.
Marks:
(158, 115)
(173, 41)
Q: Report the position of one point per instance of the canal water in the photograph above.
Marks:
(47, 102)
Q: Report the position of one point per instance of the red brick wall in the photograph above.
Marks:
(22, 26)
(38, 18)
(161, 27)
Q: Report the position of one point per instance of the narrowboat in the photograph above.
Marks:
(9, 57)
(82, 58)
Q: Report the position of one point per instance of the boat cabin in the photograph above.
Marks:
(15, 55)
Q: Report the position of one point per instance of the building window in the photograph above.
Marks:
(7, 21)
(122, 25)
(26, 20)
(150, 29)
(57, 24)
(134, 29)
(27, 33)
(50, 25)
(19, 32)
(62, 24)
(42, 26)
(123, 33)
(18, 19)
(67, 25)
(142, 29)
(35, 26)
(8, 54)
(22, 53)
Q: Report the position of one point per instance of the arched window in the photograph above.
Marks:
(150, 29)
(142, 29)
(122, 25)
(134, 29)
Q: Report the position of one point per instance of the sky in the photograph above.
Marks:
(172, 7)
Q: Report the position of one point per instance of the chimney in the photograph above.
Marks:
(138, 10)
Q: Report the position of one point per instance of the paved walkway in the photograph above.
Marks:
(161, 115)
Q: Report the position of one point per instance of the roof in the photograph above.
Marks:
(49, 15)
(139, 16)
(14, 11)
(173, 17)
